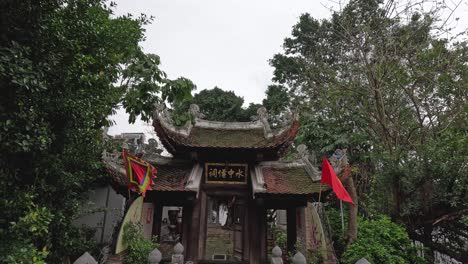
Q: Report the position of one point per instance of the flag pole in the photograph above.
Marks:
(342, 219)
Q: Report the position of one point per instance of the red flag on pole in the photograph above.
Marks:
(140, 173)
(329, 177)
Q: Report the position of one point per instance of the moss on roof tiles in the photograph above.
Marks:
(168, 177)
(229, 138)
(289, 181)
(171, 178)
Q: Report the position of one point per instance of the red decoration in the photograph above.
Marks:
(329, 177)
(140, 173)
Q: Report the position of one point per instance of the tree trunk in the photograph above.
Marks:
(351, 233)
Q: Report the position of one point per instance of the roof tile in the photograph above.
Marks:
(168, 178)
(289, 180)
(222, 138)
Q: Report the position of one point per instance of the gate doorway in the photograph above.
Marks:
(225, 226)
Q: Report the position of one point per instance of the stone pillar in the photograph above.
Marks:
(276, 255)
(301, 228)
(178, 257)
(291, 228)
(154, 256)
(299, 258)
(86, 258)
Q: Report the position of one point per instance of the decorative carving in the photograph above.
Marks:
(339, 160)
(287, 118)
(195, 111)
(163, 114)
(262, 113)
(304, 153)
(105, 130)
(158, 108)
(253, 118)
(140, 148)
(152, 147)
(310, 160)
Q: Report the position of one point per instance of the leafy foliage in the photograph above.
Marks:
(376, 80)
(382, 241)
(277, 99)
(379, 241)
(217, 105)
(138, 247)
(59, 63)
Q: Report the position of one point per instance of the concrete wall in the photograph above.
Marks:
(108, 207)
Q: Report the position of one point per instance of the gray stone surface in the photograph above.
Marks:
(178, 257)
(363, 261)
(86, 258)
(154, 256)
(299, 258)
(276, 255)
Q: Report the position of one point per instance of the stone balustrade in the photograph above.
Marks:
(277, 257)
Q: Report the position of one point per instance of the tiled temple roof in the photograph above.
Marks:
(169, 177)
(227, 135)
(219, 138)
(298, 177)
(289, 181)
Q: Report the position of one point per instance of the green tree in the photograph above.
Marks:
(218, 105)
(383, 85)
(59, 65)
(277, 99)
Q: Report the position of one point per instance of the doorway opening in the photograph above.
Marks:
(277, 230)
(224, 232)
(171, 229)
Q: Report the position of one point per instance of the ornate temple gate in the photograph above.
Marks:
(213, 194)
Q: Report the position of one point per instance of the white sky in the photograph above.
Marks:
(224, 43)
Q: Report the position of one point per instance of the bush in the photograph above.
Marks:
(382, 241)
(25, 253)
(138, 247)
(379, 241)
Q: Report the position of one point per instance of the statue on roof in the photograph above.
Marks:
(194, 110)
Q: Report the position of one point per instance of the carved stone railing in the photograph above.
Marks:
(155, 256)
(277, 257)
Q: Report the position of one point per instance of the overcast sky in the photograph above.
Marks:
(224, 43)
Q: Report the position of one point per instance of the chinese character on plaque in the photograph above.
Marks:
(226, 173)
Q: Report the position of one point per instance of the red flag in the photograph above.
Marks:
(329, 177)
(140, 173)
